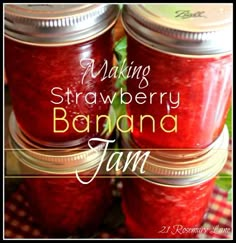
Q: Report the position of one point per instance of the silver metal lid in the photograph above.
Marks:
(58, 23)
(162, 167)
(194, 29)
(54, 160)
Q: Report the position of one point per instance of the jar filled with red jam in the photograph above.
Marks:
(56, 61)
(179, 60)
(64, 196)
(170, 200)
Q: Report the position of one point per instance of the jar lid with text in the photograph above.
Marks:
(194, 29)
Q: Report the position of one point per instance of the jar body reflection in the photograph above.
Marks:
(185, 94)
(157, 211)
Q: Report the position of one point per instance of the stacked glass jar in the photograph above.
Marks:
(53, 54)
(184, 97)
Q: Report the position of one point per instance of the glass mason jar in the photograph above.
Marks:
(184, 84)
(55, 62)
(60, 203)
(170, 199)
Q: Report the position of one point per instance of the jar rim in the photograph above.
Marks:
(163, 183)
(17, 132)
(56, 160)
(46, 25)
(187, 170)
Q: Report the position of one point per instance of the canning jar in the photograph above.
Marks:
(61, 204)
(170, 199)
(55, 61)
(180, 72)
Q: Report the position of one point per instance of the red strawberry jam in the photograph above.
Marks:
(204, 86)
(33, 71)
